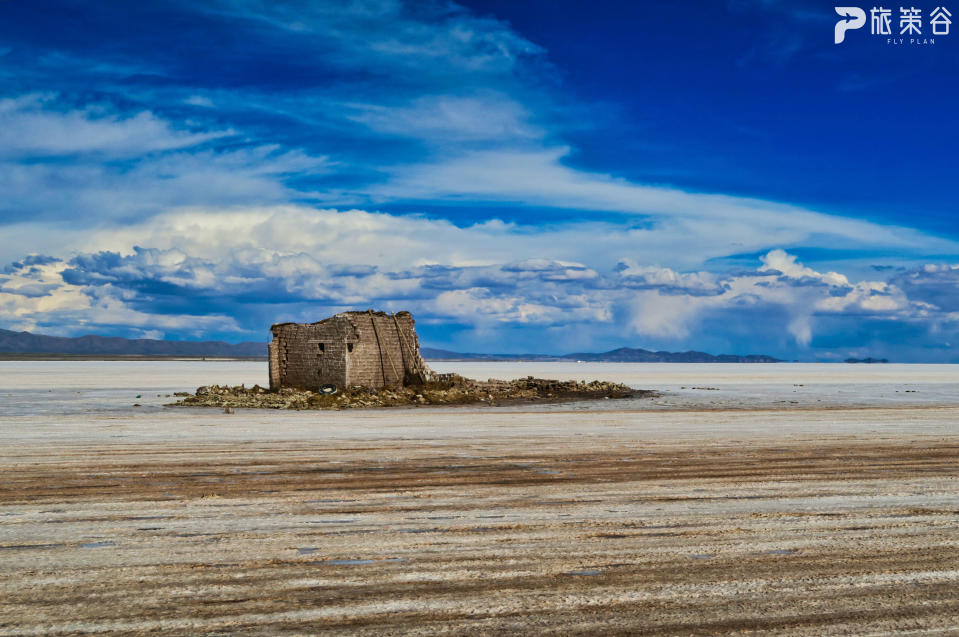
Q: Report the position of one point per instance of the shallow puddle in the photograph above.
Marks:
(357, 562)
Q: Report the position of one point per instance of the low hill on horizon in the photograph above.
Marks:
(631, 355)
(620, 355)
(91, 345)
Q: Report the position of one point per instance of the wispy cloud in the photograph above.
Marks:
(450, 120)
(90, 166)
(699, 226)
(430, 39)
(34, 126)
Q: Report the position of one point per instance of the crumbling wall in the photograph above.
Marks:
(387, 350)
(274, 358)
(371, 349)
(311, 355)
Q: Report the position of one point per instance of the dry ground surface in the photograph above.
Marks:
(803, 522)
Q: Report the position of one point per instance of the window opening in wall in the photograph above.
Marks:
(349, 347)
(321, 347)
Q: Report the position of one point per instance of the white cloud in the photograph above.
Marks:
(779, 261)
(935, 283)
(32, 126)
(88, 167)
(666, 316)
(683, 228)
(798, 292)
(650, 276)
(70, 309)
(451, 119)
(199, 100)
(429, 39)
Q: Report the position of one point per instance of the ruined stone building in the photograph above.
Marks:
(372, 349)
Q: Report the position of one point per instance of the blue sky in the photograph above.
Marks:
(523, 176)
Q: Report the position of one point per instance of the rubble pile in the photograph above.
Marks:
(452, 390)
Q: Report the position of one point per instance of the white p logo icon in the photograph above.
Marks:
(852, 18)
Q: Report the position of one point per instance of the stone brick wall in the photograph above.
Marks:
(274, 357)
(348, 349)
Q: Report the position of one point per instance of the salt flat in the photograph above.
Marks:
(724, 509)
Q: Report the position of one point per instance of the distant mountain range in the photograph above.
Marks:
(621, 355)
(25, 343)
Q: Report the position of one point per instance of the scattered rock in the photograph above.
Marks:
(451, 390)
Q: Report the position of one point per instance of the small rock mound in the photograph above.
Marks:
(452, 389)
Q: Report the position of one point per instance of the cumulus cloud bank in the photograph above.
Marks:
(235, 271)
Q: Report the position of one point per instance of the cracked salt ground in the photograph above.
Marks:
(862, 498)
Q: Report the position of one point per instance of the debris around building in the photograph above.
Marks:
(449, 389)
(372, 359)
